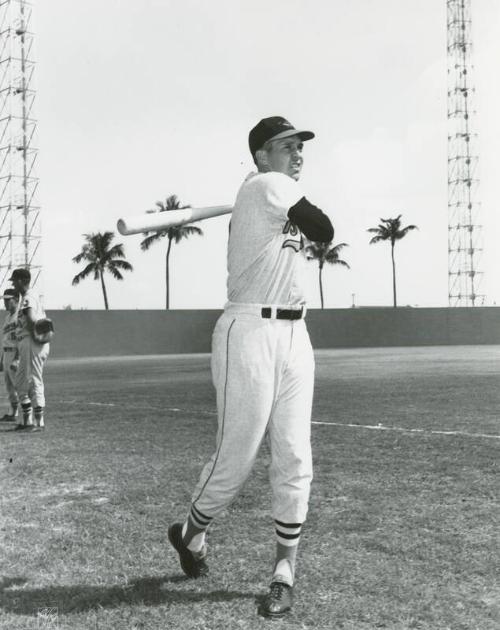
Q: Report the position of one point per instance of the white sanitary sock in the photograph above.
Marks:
(284, 572)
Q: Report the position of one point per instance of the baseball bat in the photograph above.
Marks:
(155, 221)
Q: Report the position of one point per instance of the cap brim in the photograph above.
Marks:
(303, 135)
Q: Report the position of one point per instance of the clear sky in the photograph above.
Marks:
(139, 99)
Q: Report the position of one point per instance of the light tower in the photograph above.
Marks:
(464, 231)
(20, 226)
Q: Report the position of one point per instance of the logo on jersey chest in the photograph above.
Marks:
(295, 241)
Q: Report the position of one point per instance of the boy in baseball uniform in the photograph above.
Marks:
(9, 358)
(32, 355)
(262, 359)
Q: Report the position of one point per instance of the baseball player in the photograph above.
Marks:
(32, 355)
(9, 360)
(262, 359)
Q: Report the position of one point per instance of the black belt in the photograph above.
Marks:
(282, 313)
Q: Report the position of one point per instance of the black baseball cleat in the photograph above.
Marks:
(7, 418)
(278, 601)
(193, 564)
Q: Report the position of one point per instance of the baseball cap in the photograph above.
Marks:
(21, 274)
(274, 128)
(9, 293)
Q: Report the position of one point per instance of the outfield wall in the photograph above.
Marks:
(107, 333)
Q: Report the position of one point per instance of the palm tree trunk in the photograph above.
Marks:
(393, 276)
(101, 275)
(321, 285)
(167, 272)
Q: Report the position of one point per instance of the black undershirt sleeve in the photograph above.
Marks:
(311, 221)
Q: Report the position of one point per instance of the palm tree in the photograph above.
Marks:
(96, 251)
(174, 234)
(391, 230)
(325, 253)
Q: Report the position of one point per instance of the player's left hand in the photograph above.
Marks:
(14, 365)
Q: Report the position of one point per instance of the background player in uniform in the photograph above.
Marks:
(262, 359)
(9, 360)
(32, 355)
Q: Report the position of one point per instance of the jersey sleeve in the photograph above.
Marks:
(311, 221)
(26, 302)
(30, 300)
(281, 193)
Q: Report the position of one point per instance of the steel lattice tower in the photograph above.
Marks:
(464, 232)
(20, 226)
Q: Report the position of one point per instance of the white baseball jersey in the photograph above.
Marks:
(9, 353)
(263, 265)
(29, 300)
(9, 336)
(32, 356)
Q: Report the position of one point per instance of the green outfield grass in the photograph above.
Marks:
(403, 529)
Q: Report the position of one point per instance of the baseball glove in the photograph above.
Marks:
(43, 330)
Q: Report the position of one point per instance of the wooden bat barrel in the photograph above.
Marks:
(156, 221)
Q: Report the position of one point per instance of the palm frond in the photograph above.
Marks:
(83, 274)
(114, 272)
(79, 257)
(152, 238)
(332, 255)
(172, 202)
(339, 247)
(116, 251)
(184, 231)
(342, 263)
(120, 264)
(316, 249)
(403, 232)
(381, 230)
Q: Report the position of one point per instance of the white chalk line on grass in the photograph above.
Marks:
(90, 403)
(381, 427)
(87, 402)
(372, 427)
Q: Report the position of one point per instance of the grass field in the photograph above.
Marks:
(403, 528)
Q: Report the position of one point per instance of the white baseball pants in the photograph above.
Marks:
(263, 373)
(29, 379)
(9, 375)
